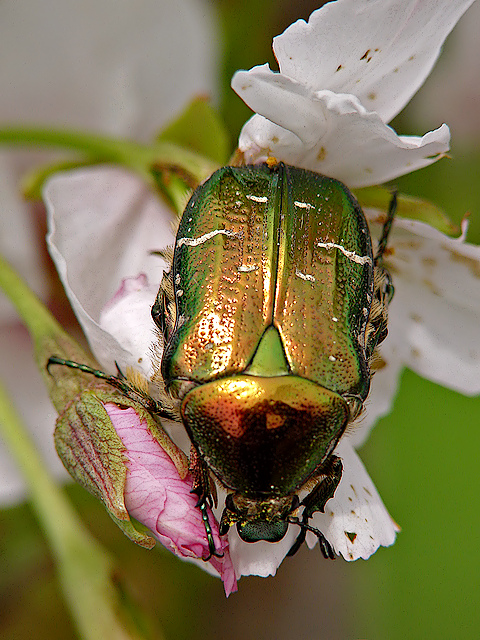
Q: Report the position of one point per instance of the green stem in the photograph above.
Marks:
(84, 568)
(138, 157)
(87, 573)
(36, 317)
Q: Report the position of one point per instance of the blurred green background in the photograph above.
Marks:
(423, 459)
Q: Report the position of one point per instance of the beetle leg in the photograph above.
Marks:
(316, 501)
(201, 488)
(376, 330)
(163, 310)
(387, 227)
(325, 489)
(122, 383)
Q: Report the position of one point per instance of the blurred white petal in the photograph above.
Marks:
(104, 223)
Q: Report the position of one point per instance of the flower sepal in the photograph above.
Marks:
(93, 454)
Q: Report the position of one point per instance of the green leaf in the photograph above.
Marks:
(199, 128)
(407, 207)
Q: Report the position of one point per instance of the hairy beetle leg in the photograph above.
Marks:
(316, 501)
(121, 383)
(201, 488)
(387, 227)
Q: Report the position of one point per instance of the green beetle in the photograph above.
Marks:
(270, 316)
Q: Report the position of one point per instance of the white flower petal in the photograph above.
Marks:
(104, 223)
(379, 50)
(259, 558)
(355, 521)
(127, 318)
(283, 101)
(383, 389)
(345, 141)
(435, 313)
(106, 65)
(452, 92)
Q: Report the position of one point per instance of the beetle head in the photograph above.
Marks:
(263, 519)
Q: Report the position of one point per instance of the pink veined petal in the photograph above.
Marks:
(156, 496)
(379, 50)
(355, 521)
(103, 225)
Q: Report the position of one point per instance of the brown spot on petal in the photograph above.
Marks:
(411, 58)
(429, 284)
(429, 262)
(472, 264)
(322, 154)
(365, 55)
(415, 353)
(350, 535)
(416, 318)
(367, 491)
(372, 96)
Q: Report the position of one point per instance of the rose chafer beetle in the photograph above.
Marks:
(270, 316)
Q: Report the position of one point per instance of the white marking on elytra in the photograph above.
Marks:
(332, 358)
(304, 276)
(351, 255)
(194, 242)
(246, 268)
(335, 319)
(257, 198)
(177, 278)
(303, 205)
